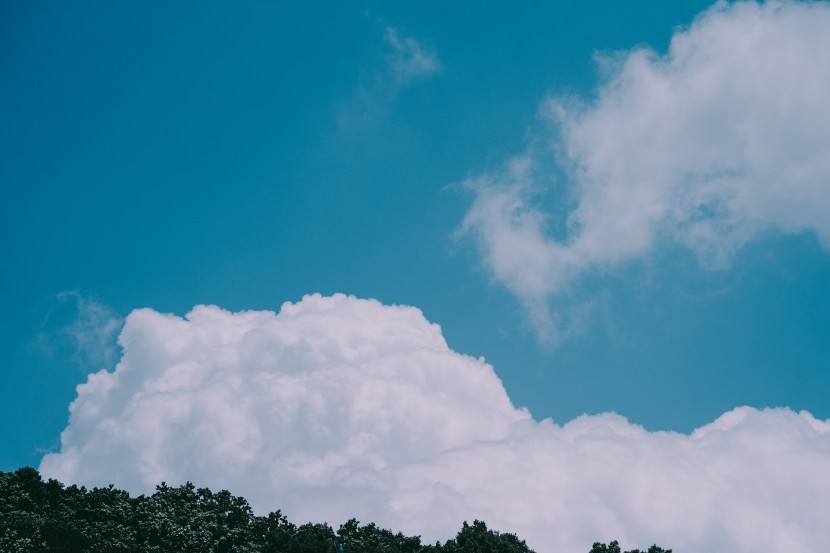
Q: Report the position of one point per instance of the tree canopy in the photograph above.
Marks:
(614, 547)
(38, 516)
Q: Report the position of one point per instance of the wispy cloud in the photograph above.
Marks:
(710, 146)
(409, 61)
(337, 407)
(406, 61)
(82, 327)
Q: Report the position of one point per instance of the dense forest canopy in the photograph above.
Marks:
(46, 516)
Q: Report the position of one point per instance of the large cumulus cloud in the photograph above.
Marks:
(720, 141)
(338, 407)
(306, 407)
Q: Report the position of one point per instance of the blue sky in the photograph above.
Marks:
(169, 156)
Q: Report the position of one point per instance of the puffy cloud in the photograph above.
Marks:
(719, 141)
(321, 399)
(338, 407)
(751, 481)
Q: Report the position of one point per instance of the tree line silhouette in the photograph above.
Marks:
(38, 516)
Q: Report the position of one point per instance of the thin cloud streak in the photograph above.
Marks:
(410, 61)
(406, 62)
(81, 326)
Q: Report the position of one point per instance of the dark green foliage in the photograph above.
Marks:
(371, 539)
(274, 532)
(312, 537)
(477, 538)
(186, 519)
(48, 517)
(40, 516)
(614, 547)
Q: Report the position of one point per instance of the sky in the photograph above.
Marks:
(381, 251)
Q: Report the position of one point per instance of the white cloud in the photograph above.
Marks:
(339, 407)
(712, 145)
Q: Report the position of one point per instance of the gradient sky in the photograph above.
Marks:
(167, 156)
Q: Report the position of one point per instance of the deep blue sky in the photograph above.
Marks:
(167, 156)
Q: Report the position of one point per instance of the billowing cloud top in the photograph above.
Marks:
(719, 141)
(338, 407)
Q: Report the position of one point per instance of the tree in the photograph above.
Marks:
(614, 547)
(372, 539)
(48, 517)
(477, 538)
(186, 519)
(313, 538)
(274, 532)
